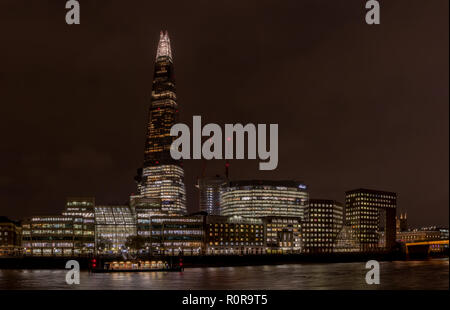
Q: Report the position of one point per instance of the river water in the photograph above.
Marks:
(409, 275)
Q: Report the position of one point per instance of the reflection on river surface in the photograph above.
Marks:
(426, 274)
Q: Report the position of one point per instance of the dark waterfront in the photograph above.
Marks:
(398, 275)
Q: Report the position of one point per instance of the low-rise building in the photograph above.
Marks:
(282, 235)
(144, 209)
(82, 210)
(426, 234)
(113, 225)
(346, 241)
(10, 237)
(432, 233)
(50, 235)
(176, 235)
(233, 235)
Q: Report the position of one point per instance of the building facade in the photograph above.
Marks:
(371, 214)
(346, 241)
(69, 234)
(233, 235)
(144, 209)
(426, 234)
(113, 225)
(176, 235)
(82, 210)
(323, 222)
(10, 237)
(51, 235)
(264, 198)
(432, 233)
(283, 235)
(162, 177)
(210, 190)
(83, 229)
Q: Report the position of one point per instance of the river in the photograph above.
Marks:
(406, 275)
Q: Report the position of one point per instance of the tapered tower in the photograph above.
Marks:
(162, 177)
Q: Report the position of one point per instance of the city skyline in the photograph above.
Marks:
(251, 217)
(336, 146)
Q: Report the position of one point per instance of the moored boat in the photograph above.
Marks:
(134, 266)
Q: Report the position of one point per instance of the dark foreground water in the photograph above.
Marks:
(429, 275)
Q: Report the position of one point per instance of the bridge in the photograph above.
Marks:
(422, 247)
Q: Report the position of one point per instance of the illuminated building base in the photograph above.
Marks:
(165, 182)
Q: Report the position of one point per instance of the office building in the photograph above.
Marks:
(69, 234)
(144, 209)
(176, 235)
(165, 233)
(283, 235)
(113, 225)
(323, 222)
(371, 214)
(210, 190)
(260, 198)
(233, 235)
(82, 210)
(10, 237)
(51, 235)
(346, 241)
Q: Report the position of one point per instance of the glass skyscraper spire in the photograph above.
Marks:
(162, 177)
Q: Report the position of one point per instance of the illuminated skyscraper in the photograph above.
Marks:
(162, 177)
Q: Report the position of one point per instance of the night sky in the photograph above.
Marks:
(357, 105)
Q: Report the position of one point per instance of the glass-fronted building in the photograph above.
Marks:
(144, 209)
(162, 177)
(258, 198)
(113, 225)
(346, 241)
(210, 190)
(165, 183)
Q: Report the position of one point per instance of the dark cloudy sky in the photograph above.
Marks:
(357, 105)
